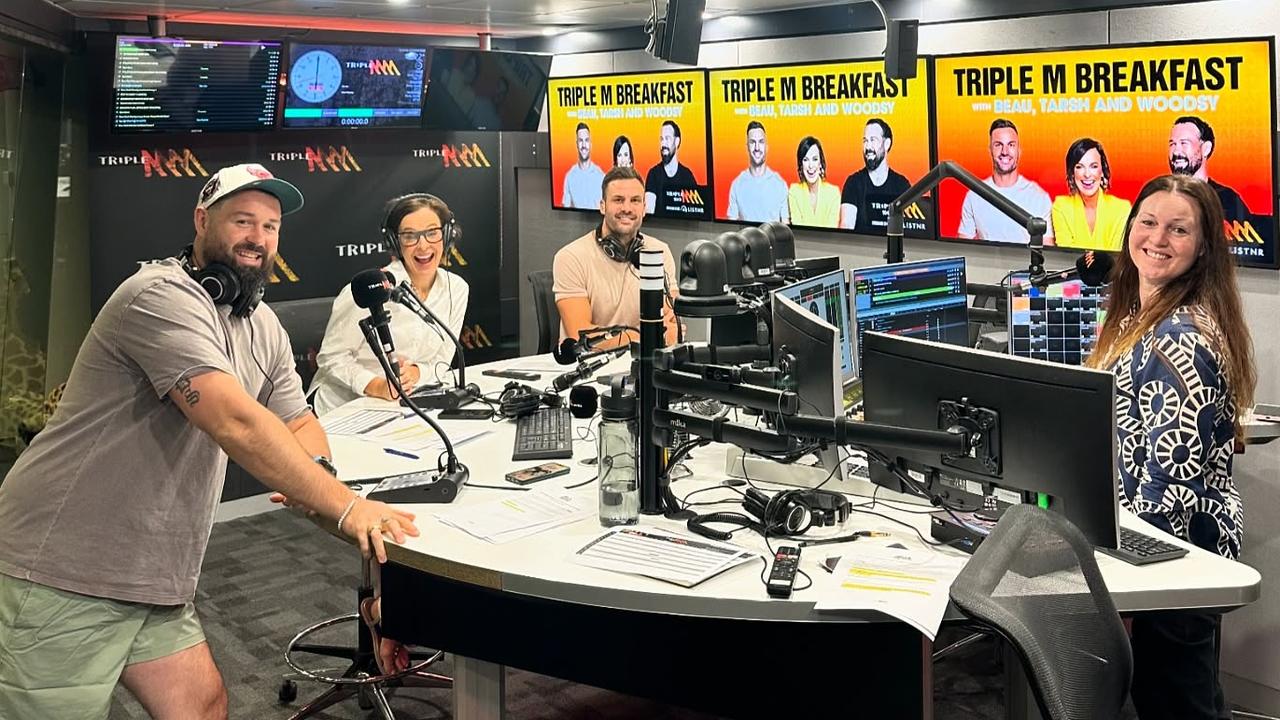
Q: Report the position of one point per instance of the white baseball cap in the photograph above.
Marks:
(249, 176)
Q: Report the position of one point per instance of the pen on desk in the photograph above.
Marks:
(401, 453)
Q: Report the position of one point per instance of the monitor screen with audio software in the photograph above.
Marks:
(926, 300)
(827, 298)
(1060, 322)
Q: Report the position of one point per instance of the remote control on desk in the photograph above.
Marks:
(785, 564)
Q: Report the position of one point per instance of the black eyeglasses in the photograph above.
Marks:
(410, 238)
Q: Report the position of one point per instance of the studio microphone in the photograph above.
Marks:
(584, 400)
(582, 372)
(566, 353)
(371, 289)
(1092, 269)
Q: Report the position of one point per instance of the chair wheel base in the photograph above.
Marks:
(288, 692)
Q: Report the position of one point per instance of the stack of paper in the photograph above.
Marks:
(358, 421)
(411, 433)
(911, 584)
(520, 515)
(661, 555)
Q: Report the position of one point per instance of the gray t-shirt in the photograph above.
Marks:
(115, 497)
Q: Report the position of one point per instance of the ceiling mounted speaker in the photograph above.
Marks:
(678, 36)
(900, 50)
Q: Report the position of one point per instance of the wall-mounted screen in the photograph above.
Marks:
(470, 89)
(655, 122)
(354, 86)
(1073, 135)
(181, 86)
(824, 146)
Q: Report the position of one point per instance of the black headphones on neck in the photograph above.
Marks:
(612, 247)
(448, 224)
(222, 283)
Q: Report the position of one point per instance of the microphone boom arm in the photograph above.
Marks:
(419, 308)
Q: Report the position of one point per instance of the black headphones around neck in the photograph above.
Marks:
(612, 247)
(222, 284)
(391, 235)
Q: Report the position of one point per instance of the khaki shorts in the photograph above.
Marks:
(61, 654)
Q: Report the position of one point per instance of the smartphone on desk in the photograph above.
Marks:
(513, 374)
(539, 472)
(473, 413)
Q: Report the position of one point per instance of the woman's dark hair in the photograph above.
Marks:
(1210, 282)
(803, 149)
(405, 205)
(1077, 151)
(617, 147)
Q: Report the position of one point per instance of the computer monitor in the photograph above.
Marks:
(814, 347)
(470, 89)
(352, 86)
(1060, 322)
(827, 297)
(926, 299)
(1053, 428)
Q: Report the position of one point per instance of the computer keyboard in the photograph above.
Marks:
(545, 435)
(1139, 549)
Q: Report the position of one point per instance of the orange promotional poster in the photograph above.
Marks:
(826, 145)
(655, 122)
(1073, 135)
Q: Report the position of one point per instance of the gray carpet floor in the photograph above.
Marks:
(267, 576)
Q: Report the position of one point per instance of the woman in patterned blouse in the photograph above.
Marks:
(1176, 339)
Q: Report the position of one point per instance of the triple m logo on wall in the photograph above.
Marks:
(322, 158)
(159, 162)
(459, 155)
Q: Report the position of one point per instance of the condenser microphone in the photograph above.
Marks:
(584, 370)
(566, 353)
(584, 400)
(371, 289)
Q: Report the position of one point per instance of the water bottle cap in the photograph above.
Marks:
(619, 403)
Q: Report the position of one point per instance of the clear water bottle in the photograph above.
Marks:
(616, 453)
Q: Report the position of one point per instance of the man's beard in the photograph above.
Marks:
(1186, 169)
(872, 160)
(666, 154)
(252, 279)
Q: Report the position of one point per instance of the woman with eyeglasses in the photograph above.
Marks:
(419, 231)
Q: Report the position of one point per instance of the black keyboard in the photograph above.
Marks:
(545, 435)
(1139, 549)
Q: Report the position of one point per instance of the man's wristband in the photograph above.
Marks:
(347, 512)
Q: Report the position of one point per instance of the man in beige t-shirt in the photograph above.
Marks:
(596, 282)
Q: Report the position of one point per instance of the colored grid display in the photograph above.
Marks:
(174, 85)
(1059, 323)
(926, 300)
(827, 297)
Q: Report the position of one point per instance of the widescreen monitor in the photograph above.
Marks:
(926, 299)
(655, 122)
(814, 347)
(1072, 135)
(1053, 429)
(1060, 322)
(354, 86)
(194, 86)
(826, 297)
(469, 89)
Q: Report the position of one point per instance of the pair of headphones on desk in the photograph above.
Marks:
(518, 400)
(787, 513)
(448, 224)
(612, 247)
(222, 283)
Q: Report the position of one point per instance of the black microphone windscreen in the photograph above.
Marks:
(1094, 268)
(566, 353)
(370, 288)
(583, 401)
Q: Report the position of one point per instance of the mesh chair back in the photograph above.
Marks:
(304, 322)
(1034, 580)
(544, 307)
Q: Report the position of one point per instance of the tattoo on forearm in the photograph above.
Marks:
(192, 396)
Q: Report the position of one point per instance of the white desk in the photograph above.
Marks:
(525, 605)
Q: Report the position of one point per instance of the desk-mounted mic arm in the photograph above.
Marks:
(1036, 227)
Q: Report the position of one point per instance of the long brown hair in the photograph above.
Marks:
(1210, 282)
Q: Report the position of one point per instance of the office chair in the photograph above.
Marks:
(1034, 582)
(304, 322)
(361, 678)
(544, 307)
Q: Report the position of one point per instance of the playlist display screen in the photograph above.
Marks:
(176, 85)
(354, 86)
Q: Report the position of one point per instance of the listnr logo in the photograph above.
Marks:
(470, 156)
(913, 212)
(337, 159)
(383, 67)
(691, 197)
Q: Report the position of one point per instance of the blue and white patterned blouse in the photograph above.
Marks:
(1176, 432)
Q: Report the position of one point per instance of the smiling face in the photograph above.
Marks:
(756, 147)
(811, 166)
(1187, 150)
(623, 158)
(422, 259)
(241, 231)
(584, 145)
(623, 208)
(1164, 240)
(668, 143)
(1088, 173)
(1005, 151)
(874, 145)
